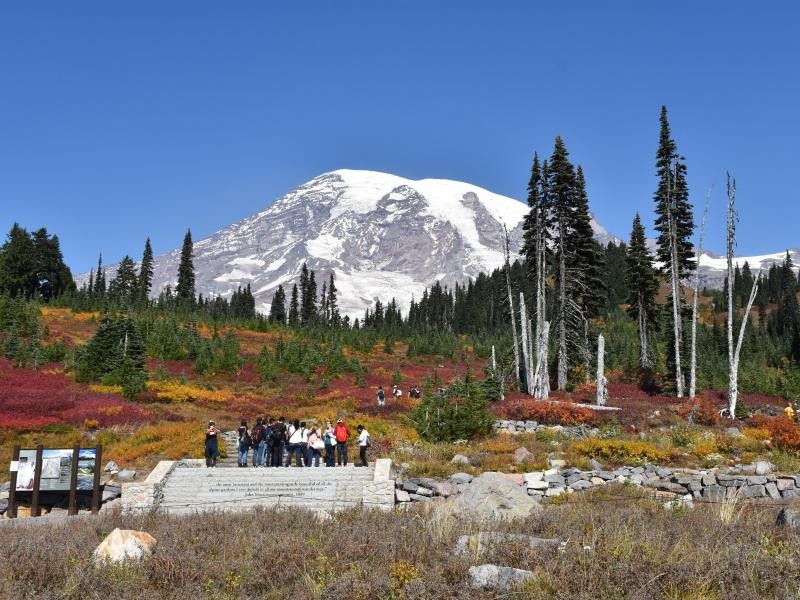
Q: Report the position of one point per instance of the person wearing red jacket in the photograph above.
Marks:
(342, 433)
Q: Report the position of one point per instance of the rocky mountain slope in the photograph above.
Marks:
(384, 236)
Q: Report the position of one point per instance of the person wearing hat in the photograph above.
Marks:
(342, 433)
(212, 447)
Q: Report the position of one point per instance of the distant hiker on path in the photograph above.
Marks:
(244, 443)
(342, 433)
(295, 445)
(397, 392)
(259, 442)
(212, 444)
(278, 442)
(381, 396)
(363, 444)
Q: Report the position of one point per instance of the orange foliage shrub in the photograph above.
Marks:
(784, 432)
(171, 391)
(548, 413)
(703, 411)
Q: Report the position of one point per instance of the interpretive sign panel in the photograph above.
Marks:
(56, 469)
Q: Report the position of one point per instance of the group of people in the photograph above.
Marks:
(275, 442)
(414, 392)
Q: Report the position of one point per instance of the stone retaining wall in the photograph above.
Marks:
(147, 495)
(517, 427)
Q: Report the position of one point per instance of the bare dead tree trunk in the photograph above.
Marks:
(541, 377)
(733, 353)
(602, 392)
(525, 354)
(514, 338)
(644, 357)
(693, 357)
(561, 380)
(494, 374)
(531, 366)
(675, 285)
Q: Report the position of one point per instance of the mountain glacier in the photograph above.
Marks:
(384, 236)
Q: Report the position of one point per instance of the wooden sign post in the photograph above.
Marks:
(37, 480)
(73, 481)
(96, 485)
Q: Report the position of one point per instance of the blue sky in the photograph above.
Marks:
(120, 121)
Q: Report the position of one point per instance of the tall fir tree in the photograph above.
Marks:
(18, 263)
(333, 304)
(185, 290)
(145, 283)
(303, 291)
(122, 288)
(294, 308)
(100, 279)
(585, 260)
(277, 310)
(642, 282)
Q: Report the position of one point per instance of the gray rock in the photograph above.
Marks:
(111, 466)
(636, 478)
(126, 475)
(581, 484)
(709, 479)
(478, 544)
(788, 518)
(555, 478)
(424, 491)
(523, 455)
(714, 493)
(496, 578)
(734, 432)
(5, 486)
(574, 478)
(557, 463)
(763, 467)
(663, 472)
(772, 491)
(675, 488)
(402, 496)
(491, 496)
(419, 498)
(695, 486)
(410, 487)
(460, 459)
(784, 484)
(790, 494)
(3, 506)
(460, 478)
(754, 491)
(596, 466)
(445, 489)
(756, 480)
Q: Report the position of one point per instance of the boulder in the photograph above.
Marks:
(534, 476)
(445, 489)
(596, 466)
(124, 544)
(402, 496)
(460, 459)
(491, 496)
(557, 463)
(734, 432)
(477, 544)
(111, 467)
(495, 578)
(459, 478)
(523, 455)
(424, 491)
(788, 518)
(3, 506)
(126, 475)
(763, 467)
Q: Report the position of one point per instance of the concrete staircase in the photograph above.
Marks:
(194, 489)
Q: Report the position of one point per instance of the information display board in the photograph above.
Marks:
(56, 469)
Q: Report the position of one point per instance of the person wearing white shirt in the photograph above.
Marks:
(363, 444)
(295, 445)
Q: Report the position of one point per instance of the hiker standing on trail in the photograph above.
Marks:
(315, 446)
(342, 433)
(244, 443)
(330, 446)
(259, 442)
(278, 442)
(363, 444)
(381, 396)
(212, 444)
(397, 392)
(295, 444)
(268, 435)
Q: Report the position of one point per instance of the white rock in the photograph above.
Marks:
(538, 485)
(124, 544)
(534, 476)
(402, 496)
(495, 578)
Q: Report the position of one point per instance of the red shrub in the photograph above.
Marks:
(784, 432)
(703, 411)
(543, 411)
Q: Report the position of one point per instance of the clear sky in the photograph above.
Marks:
(122, 120)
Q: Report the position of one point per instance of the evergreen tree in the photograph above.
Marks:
(294, 309)
(18, 263)
(145, 282)
(184, 290)
(333, 307)
(585, 261)
(277, 310)
(123, 286)
(100, 279)
(642, 285)
(304, 295)
(51, 276)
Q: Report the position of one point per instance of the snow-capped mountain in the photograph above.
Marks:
(713, 267)
(384, 236)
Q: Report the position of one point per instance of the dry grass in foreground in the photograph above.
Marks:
(618, 546)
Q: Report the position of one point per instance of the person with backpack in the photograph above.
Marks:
(342, 433)
(295, 445)
(363, 443)
(381, 395)
(278, 442)
(212, 445)
(258, 442)
(397, 392)
(315, 446)
(330, 446)
(269, 422)
(243, 444)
